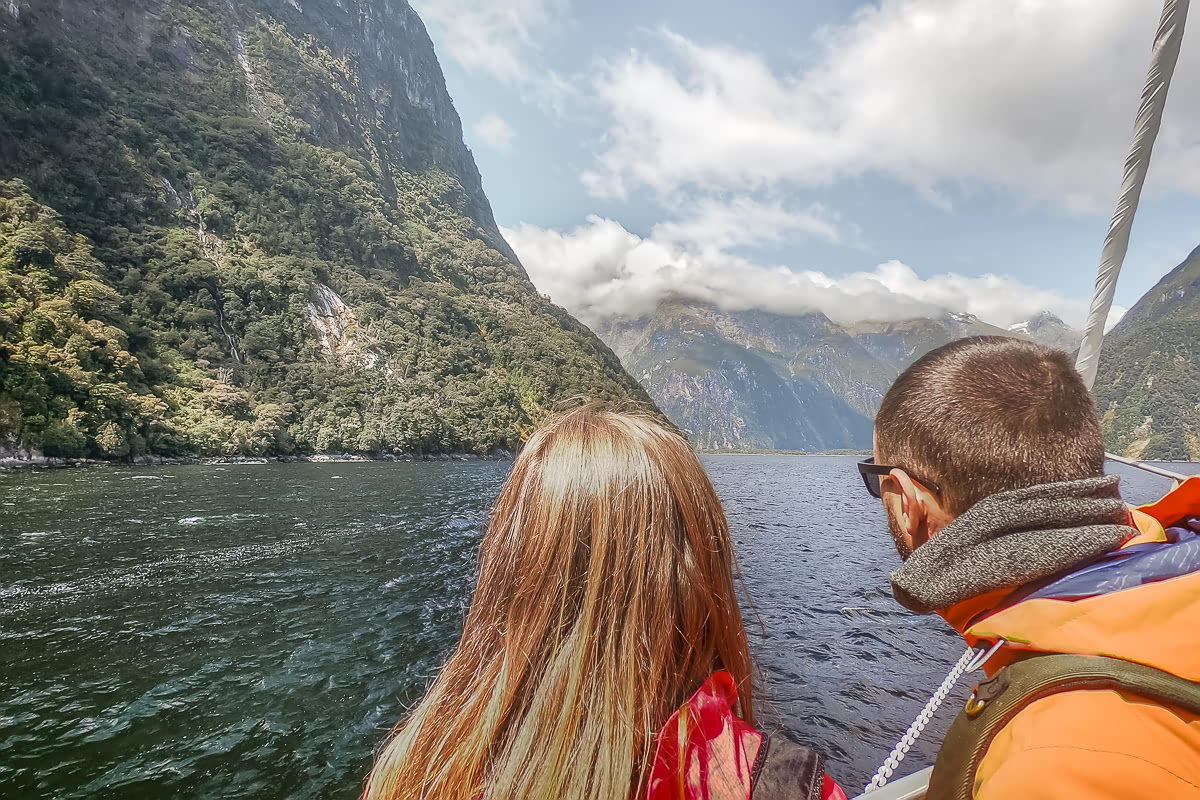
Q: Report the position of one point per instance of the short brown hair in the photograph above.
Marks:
(989, 414)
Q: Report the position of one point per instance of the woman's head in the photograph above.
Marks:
(605, 598)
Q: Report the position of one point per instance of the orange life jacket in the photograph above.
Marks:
(1102, 744)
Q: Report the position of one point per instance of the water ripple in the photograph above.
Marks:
(218, 632)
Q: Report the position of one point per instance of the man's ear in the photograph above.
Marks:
(917, 511)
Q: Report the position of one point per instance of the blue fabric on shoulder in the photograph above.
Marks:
(1133, 566)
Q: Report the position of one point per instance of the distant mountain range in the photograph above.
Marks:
(1050, 331)
(760, 380)
(1148, 389)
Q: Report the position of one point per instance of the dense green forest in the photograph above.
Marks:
(1148, 388)
(256, 230)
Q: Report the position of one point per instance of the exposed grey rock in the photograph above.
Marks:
(756, 379)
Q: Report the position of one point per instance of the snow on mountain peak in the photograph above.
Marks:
(1020, 327)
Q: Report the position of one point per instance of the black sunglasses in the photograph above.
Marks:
(873, 475)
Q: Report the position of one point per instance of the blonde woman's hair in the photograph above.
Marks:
(605, 599)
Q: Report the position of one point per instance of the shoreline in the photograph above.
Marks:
(796, 453)
(25, 462)
(11, 463)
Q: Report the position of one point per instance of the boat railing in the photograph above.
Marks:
(910, 787)
(1153, 470)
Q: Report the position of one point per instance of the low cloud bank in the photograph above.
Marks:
(600, 269)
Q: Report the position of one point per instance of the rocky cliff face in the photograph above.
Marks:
(754, 379)
(294, 243)
(390, 100)
(902, 343)
(736, 381)
(1148, 387)
(344, 74)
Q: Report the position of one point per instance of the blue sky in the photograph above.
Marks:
(872, 160)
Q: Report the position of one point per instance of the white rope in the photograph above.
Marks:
(1149, 117)
(914, 731)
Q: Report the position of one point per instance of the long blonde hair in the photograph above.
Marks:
(605, 599)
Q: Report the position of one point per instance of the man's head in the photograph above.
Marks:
(977, 417)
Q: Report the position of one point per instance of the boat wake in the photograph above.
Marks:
(21, 597)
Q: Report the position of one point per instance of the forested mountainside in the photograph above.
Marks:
(252, 226)
(1148, 388)
(759, 380)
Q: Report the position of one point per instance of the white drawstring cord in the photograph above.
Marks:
(970, 661)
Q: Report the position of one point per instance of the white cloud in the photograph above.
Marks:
(1115, 314)
(501, 38)
(1029, 95)
(493, 131)
(736, 221)
(600, 269)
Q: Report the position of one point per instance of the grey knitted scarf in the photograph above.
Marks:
(1013, 538)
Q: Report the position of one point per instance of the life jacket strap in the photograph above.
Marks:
(996, 702)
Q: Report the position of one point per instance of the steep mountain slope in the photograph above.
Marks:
(251, 226)
(740, 381)
(754, 379)
(1148, 387)
(901, 343)
(812, 348)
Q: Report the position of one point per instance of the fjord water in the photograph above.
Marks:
(254, 630)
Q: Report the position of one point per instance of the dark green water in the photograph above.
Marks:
(254, 631)
(246, 631)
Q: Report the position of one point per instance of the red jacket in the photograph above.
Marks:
(718, 756)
